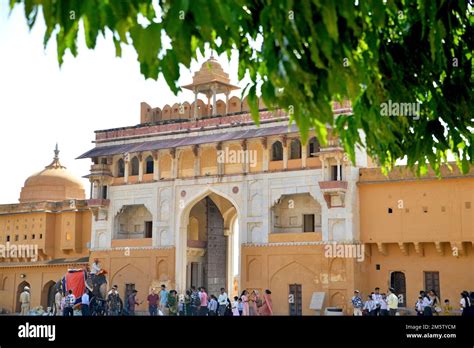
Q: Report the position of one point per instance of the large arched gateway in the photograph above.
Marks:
(206, 254)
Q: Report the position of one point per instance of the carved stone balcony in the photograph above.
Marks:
(99, 208)
(333, 186)
(100, 172)
(98, 203)
(334, 192)
(333, 145)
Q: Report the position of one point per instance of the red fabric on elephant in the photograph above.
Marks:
(75, 282)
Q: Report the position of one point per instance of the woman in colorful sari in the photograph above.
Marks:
(245, 301)
(173, 303)
(253, 299)
(267, 306)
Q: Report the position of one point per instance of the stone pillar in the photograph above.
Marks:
(140, 167)
(230, 261)
(220, 165)
(284, 142)
(174, 164)
(227, 103)
(245, 165)
(265, 157)
(126, 161)
(197, 160)
(322, 168)
(95, 189)
(304, 154)
(156, 165)
(195, 104)
(338, 169)
(200, 275)
(208, 104)
(181, 259)
(214, 102)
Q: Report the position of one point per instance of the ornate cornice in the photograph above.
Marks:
(133, 248)
(26, 265)
(326, 242)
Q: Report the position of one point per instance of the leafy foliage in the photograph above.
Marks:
(303, 55)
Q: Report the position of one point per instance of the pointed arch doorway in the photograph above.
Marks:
(19, 290)
(207, 254)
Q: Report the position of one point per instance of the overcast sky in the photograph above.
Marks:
(41, 104)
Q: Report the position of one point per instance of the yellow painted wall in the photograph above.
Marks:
(455, 273)
(449, 206)
(37, 277)
(186, 164)
(231, 167)
(276, 267)
(49, 231)
(429, 218)
(165, 167)
(144, 268)
(208, 161)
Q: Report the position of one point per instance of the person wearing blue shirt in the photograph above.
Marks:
(163, 299)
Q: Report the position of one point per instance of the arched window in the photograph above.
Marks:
(149, 165)
(120, 168)
(295, 149)
(277, 151)
(313, 147)
(135, 165)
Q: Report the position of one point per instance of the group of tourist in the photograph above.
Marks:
(197, 302)
(194, 302)
(377, 304)
(428, 304)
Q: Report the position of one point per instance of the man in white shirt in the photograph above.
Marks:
(392, 302)
(70, 300)
(377, 297)
(222, 300)
(426, 304)
(384, 306)
(370, 306)
(357, 303)
(85, 304)
(95, 267)
(25, 298)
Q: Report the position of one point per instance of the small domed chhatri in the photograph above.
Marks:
(211, 71)
(53, 183)
(211, 80)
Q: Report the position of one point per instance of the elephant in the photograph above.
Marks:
(97, 285)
